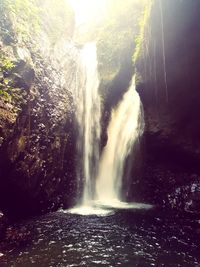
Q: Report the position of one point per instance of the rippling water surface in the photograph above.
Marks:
(125, 238)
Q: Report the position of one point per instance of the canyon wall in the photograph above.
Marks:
(37, 78)
(169, 67)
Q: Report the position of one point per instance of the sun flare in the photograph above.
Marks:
(86, 10)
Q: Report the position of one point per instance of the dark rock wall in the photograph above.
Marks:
(37, 141)
(169, 90)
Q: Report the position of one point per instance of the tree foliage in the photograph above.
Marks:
(34, 17)
(25, 16)
(140, 37)
(117, 35)
(6, 66)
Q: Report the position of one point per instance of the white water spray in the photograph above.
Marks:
(125, 128)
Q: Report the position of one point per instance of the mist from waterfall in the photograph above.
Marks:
(125, 127)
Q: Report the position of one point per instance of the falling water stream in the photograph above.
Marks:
(124, 129)
(88, 113)
(101, 177)
(90, 120)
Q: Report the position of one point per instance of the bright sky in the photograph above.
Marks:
(87, 10)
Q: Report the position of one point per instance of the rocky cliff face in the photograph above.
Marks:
(37, 72)
(38, 63)
(169, 90)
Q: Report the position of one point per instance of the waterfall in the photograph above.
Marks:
(101, 178)
(124, 129)
(88, 113)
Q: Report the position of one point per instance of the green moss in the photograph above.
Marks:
(4, 95)
(140, 38)
(6, 86)
(115, 38)
(6, 64)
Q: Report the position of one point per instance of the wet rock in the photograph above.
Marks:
(4, 223)
(17, 237)
(37, 125)
(171, 106)
(186, 198)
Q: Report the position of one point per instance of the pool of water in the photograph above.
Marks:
(127, 238)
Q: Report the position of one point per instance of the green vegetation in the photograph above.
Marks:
(30, 17)
(6, 65)
(116, 37)
(25, 16)
(114, 34)
(22, 24)
(111, 46)
(140, 38)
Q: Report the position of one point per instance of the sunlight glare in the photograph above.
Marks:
(88, 10)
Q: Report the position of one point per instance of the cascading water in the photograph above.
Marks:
(88, 112)
(102, 191)
(101, 178)
(125, 128)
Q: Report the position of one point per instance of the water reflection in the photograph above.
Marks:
(128, 239)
